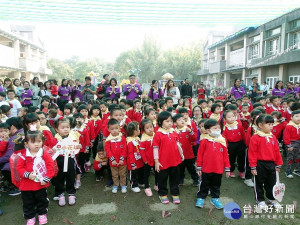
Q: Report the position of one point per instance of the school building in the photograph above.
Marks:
(270, 52)
(22, 53)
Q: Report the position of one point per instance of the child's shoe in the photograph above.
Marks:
(196, 183)
(62, 201)
(109, 183)
(31, 221)
(242, 175)
(124, 189)
(181, 182)
(289, 174)
(164, 199)
(249, 183)
(216, 202)
(296, 172)
(99, 178)
(43, 219)
(148, 192)
(114, 189)
(136, 189)
(155, 187)
(176, 199)
(142, 185)
(262, 205)
(200, 202)
(55, 198)
(88, 163)
(232, 174)
(87, 168)
(274, 203)
(77, 184)
(72, 200)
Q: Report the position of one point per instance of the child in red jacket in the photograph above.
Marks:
(116, 151)
(212, 160)
(100, 162)
(35, 168)
(245, 116)
(129, 110)
(137, 113)
(264, 160)
(278, 125)
(4, 136)
(235, 135)
(275, 105)
(186, 137)
(97, 122)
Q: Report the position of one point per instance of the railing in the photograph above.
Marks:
(236, 58)
(218, 66)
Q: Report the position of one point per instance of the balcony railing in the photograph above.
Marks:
(236, 58)
(218, 66)
(7, 56)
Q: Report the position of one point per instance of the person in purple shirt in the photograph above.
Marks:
(278, 90)
(155, 92)
(64, 92)
(237, 91)
(26, 95)
(77, 91)
(113, 91)
(2, 89)
(132, 90)
(290, 89)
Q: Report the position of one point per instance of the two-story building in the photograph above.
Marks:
(22, 54)
(269, 52)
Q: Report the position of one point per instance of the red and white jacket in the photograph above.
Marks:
(84, 138)
(116, 149)
(291, 133)
(234, 133)
(97, 125)
(186, 139)
(146, 148)
(134, 157)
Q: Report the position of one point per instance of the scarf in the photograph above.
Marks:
(74, 135)
(204, 136)
(182, 129)
(131, 139)
(146, 137)
(154, 123)
(165, 131)
(205, 110)
(123, 121)
(95, 118)
(130, 108)
(291, 123)
(220, 139)
(244, 115)
(105, 112)
(275, 124)
(42, 128)
(263, 134)
(215, 116)
(100, 159)
(114, 138)
(232, 126)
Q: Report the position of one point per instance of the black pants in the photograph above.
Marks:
(68, 177)
(212, 182)
(195, 150)
(236, 151)
(61, 104)
(94, 148)
(81, 161)
(265, 179)
(7, 176)
(173, 174)
(248, 174)
(147, 170)
(189, 164)
(35, 202)
(99, 173)
(136, 177)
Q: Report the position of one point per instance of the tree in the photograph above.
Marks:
(60, 69)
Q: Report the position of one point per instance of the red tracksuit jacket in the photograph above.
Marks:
(278, 128)
(287, 115)
(116, 150)
(245, 120)
(137, 116)
(290, 133)
(3, 147)
(90, 127)
(134, 157)
(84, 138)
(186, 139)
(97, 126)
(129, 113)
(234, 135)
(272, 109)
(146, 148)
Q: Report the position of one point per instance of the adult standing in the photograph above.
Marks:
(34, 87)
(278, 89)
(46, 91)
(132, 90)
(264, 88)
(186, 89)
(237, 91)
(64, 92)
(172, 91)
(155, 92)
(290, 89)
(22, 79)
(113, 91)
(207, 90)
(18, 87)
(8, 85)
(76, 91)
(101, 89)
(257, 86)
(88, 90)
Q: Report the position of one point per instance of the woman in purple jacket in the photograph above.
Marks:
(237, 91)
(77, 91)
(290, 89)
(279, 89)
(64, 92)
(112, 91)
(155, 92)
(26, 95)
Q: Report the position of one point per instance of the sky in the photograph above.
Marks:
(104, 29)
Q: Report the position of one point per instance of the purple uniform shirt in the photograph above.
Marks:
(155, 94)
(64, 91)
(279, 92)
(237, 92)
(132, 94)
(2, 89)
(77, 92)
(27, 93)
(113, 95)
(291, 91)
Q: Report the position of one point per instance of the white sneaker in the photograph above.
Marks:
(274, 203)
(262, 205)
(136, 189)
(77, 184)
(249, 183)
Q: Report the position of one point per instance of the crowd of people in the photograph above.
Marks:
(164, 131)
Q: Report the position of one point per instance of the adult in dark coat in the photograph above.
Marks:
(186, 89)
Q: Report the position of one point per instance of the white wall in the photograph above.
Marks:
(7, 56)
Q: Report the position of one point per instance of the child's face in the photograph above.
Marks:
(34, 146)
(210, 103)
(245, 109)
(33, 126)
(214, 129)
(268, 100)
(230, 118)
(90, 106)
(109, 102)
(4, 133)
(138, 105)
(149, 129)
(63, 129)
(266, 127)
(117, 115)
(296, 118)
(67, 111)
(1, 98)
(275, 119)
(202, 129)
(234, 112)
(102, 154)
(76, 100)
(11, 95)
(103, 108)
(197, 112)
(186, 103)
(127, 106)
(180, 122)
(276, 102)
(84, 112)
(96, 112)
(203, 105)
(43, 119)
(45, 103)
(169, 103)
(180, 102)
(217, 110)
(185, 116)
(246, 100)
(122, 103)
(262, 101)
(152, 115)
(136, 132)
(114, 129)
(79, 121)
(168, 123)
(164, 106)
(284, 105)
(239, 102)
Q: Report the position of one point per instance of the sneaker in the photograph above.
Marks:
(114, 189)
(216, 202)
(88, 163)
(124, 189)
(43, 219)
(77, 184)
(208, 193)
(296, 172)
(232, 174)
(242, 175)
(87, 169)
(62, 201)
(164, 199)
(274, 203)
(262, 205)
(14, 192)
(30, 221)
(176, 199)
(181, 182)
(155, 187)
(72, 199)
(99, 178)
(196, 183)
(55, 198)
(109, 183)
(200, 202)
(136, 189)
(289, 174)
(249, 182)
(148, 192)
(142, 185)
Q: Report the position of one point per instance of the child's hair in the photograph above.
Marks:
(246, 105)
(162, 117)
(295, 106)
(72, 121)
(129, 102)
(5, 109)
(122, 107)
(82, 107)
(52, 113)
(231, 107)
(170, 109)
(10, 90)
(69, 106)
(210, 123)
(4, 126)
(2, 94)
(273, 97)
(62, 120)
(25, 109)
(144, 122)
(33, 109)
(114, 110)
(15, 121)
(53, 106)
(148, 111)
(100, 147)
(185, 100)
(136, 101)
(113, 106)
(176, 117)
(123, 100)
(29, 118)
(78, 115)
(131, 127)
(112, 122)
(260, 98)
(295, 112)
(161, 103)
(201, 101)
(92, 102)
(197, 106)
(95, 106)
(103, 103)
(246, 96)
(33, 136)
(277, 114)
(168, 99)
(182, 110)
(44, 100)
(290, 100)
(202, 121)
(214, 106)
(257, 104)
(253, 115)
(264, 118)
(115, 99)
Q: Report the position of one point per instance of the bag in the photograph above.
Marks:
(13, 161)
(278, 189)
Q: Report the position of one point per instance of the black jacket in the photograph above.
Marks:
(186, 90)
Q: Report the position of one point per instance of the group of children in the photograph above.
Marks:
(130, 139)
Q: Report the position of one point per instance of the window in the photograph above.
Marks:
(253, 51)
(296, 39)
(272, 47)
(274, 32)
(295, 78)
(271, 81)
(295, 24)
(254, 38)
